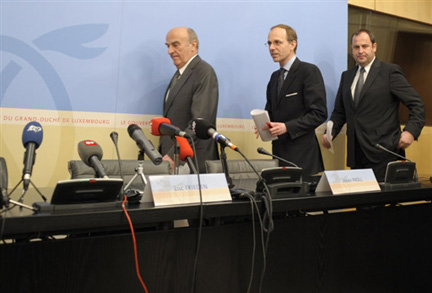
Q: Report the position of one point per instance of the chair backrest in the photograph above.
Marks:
(79, 170)
(240, 169)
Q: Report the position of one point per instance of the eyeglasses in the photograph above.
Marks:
(276, 43)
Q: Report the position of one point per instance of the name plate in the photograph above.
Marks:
(348, 181)
(183, 189)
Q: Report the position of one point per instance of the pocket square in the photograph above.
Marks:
(290, 95)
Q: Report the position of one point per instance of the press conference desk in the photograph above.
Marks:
(375, 248)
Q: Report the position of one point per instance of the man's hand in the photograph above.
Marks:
(256, 132)
(168, 159)
(325, 141)
(276, 128)
(405, 140)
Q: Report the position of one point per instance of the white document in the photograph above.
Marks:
(261, 118)
(328, 133)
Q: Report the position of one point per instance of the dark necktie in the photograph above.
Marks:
(359, 86)
(281, 79)
(173, 82)
(175, 78)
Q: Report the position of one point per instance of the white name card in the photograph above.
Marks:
(184, 189)
(348, 181)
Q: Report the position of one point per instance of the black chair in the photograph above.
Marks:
(240, 169)
(78, 169)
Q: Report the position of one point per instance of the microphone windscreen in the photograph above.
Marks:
(201, 128)
(114, 136)
(132, 128)
(261, 150)
(185, 148)
(32, 132)
(87, 149)
(3, 174)
(155, 124)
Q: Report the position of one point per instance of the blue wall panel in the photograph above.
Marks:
(100, 56)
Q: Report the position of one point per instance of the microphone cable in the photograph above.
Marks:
(268, 202)
(268, 224)
(201, 219)
(114, 137)
(254, 207)
(134, 244)
(3, 223)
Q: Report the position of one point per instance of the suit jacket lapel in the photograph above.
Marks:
(349, 81)
(373, 72)
(168, 100)
(291, 76)
(182, 80)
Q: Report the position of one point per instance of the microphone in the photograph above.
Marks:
(378, 146)
(205, 130)
(162, 126)
(91, 154)
(264, 152)
(114, 137)
(186, 153)
(31, 139)
(136, 133)
(4, 199)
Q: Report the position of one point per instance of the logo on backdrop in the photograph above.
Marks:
(68, 41)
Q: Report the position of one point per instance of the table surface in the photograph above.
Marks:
(23, 223)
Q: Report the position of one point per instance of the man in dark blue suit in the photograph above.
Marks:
(296, 103)
(372, 115)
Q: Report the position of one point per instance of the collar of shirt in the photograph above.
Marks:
(367, 68)
(181, 70)
(365, 74)
(290, 62)
(288, 65)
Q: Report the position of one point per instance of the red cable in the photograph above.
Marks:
(134, 244)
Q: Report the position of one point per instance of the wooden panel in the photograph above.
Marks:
(416, 10)
(420, 152)
(368, 4)
(416, 62)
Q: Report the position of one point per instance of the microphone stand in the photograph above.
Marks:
(134, 196)
(20, 200)
(176, 155)
(25, 191)
(139, 171)
(225, 166)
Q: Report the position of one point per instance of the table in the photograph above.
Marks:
(366, 242)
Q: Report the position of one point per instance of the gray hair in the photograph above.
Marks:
(192, 36)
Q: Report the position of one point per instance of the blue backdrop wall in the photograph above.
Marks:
(109, 56)
(86, 68)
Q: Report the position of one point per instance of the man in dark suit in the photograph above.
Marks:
(372, 115)
(296, 103)
(192, 93)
